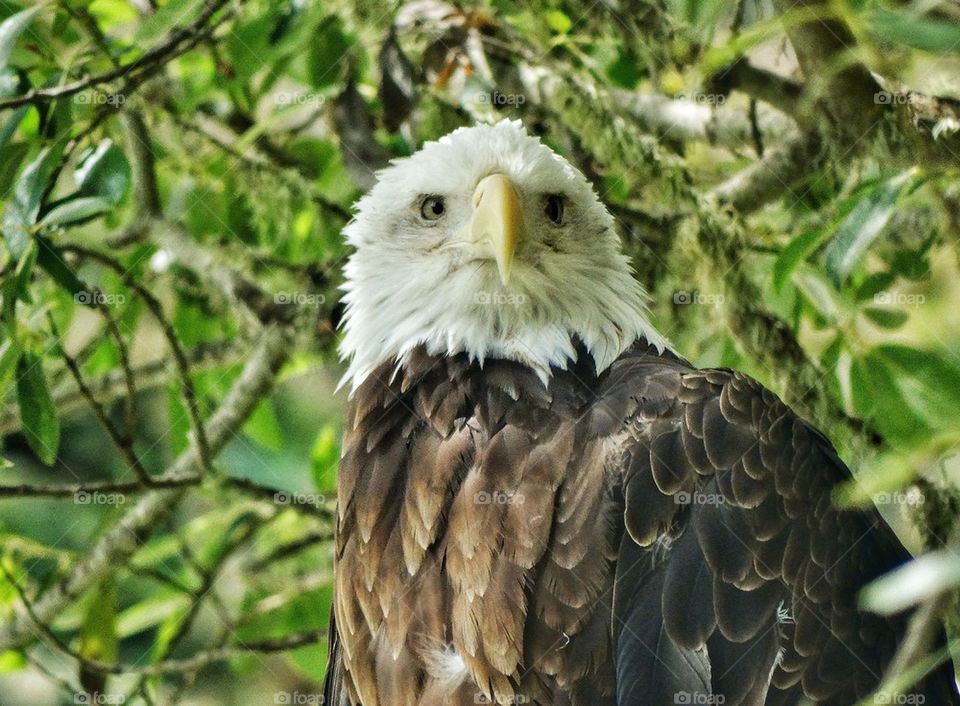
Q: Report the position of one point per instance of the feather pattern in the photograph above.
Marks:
(603, 538)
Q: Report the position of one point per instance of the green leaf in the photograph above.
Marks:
(104, 172)
(51, 260)
(558, 21)
(863, 224)
(873, 284)
(22, 211)
(12, 661)
(823, 299)
(796, 252)
(150, 612)
(10, 30)
(263, 426)
(931, 381)
(624, 71)
(98, 636)
(178, 420)
(10, 158)
(172, 14)
(76, 210)
(879, 401)
(37, 411)
(17, 287)
(910, 30)
(703, 13)
(327, 53)
(9, 355)
(886, 318)
(324, 457)
(11, 124)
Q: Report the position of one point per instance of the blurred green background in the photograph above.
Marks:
(174, 177)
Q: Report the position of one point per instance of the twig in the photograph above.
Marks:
(187, 387)
(118, 543)
(176, 43)
(123, 442)
(110, 386)
(267, 161)
(207, 657)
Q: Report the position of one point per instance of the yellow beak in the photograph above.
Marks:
(497, 220)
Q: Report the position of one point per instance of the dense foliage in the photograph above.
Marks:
(173, 180)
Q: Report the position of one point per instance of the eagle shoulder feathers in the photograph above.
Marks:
(625, 537)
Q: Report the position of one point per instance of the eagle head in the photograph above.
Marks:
(487, 242)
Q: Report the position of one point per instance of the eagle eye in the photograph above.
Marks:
(432, 208)
(554, 209)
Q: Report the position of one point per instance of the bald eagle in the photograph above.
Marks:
(540, 502)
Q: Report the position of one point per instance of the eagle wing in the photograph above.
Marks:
(737, 575)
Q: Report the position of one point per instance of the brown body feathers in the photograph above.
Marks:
(622, 538)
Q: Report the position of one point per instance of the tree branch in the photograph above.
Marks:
(119, 543)
(111, 386)
(177, 42)
(777, 172)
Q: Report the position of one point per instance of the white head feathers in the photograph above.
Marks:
(420, 273)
